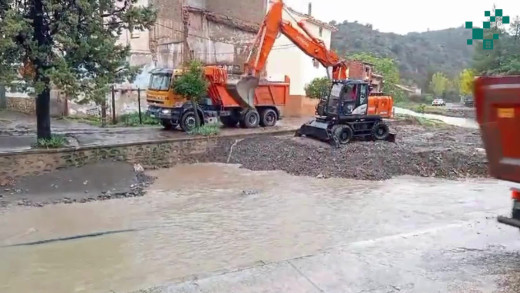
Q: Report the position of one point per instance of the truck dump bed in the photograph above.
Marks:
(228, 92)
(497, 102)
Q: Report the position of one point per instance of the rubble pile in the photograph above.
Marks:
(444, 152)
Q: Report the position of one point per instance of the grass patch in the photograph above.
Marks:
(132, 120)
(125, 120)
(91, 120)
(206, 130)
(427, 122)
(423, 108)
(55, 142)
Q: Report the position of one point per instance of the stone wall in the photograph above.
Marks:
(149, 155)
(21, 104)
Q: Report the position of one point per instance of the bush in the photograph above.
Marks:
(421, 108)
(318, 88)
(55, 142)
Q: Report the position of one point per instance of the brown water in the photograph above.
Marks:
(199, 219)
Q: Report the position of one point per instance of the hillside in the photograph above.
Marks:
(419, 54)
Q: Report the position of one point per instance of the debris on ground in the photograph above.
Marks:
(444, 152)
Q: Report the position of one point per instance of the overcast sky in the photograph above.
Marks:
(403, 16)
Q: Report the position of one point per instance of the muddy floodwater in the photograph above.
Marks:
(456, 121)
(201, 220)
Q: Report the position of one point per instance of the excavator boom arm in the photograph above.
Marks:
(273, 25)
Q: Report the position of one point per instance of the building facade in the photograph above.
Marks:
(287, 59)
(215, 32)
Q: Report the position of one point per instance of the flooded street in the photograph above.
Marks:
(455, 121)
(234, 230)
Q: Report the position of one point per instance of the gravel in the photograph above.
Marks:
(440, 151)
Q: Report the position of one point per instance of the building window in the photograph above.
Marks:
(321, 31)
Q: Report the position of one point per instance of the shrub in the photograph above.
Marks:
(421, 108)
(55, 142)
(318, 88)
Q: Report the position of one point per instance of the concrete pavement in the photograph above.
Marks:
(18, 132)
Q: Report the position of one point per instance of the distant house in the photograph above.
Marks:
(365, 71)
(287, 59)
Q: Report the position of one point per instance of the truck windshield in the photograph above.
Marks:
(159, 82)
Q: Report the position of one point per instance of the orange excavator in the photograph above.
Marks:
(348, 111)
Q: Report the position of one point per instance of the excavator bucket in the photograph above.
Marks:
(315, 129)
(243, 90)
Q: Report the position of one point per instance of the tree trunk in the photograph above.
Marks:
(195, 109)
(41, 32)
(43, 118)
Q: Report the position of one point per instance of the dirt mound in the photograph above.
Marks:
(446, 152)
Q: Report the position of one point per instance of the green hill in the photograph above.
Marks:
(419, 55)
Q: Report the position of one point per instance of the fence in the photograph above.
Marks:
(118, 102)
(127, 101)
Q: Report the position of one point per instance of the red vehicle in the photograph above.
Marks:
(497, 102)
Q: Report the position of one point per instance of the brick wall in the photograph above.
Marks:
(356, 70)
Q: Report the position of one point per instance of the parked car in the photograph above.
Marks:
(468, 101)
(438, 102)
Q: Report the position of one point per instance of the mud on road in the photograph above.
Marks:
(430, 151)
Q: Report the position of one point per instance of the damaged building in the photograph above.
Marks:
(217, 32)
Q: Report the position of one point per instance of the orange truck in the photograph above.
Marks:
(221, 103)
(497, 103)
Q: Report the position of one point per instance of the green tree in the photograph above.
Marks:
(466, 81)
(439, 84)
(192, 85)
(386, 67)
(318, 88)
(70, 44)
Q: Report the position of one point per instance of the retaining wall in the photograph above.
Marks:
(151, 155)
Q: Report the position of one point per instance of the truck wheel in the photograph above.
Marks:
(343, 133)
(229, 121)
(268, 118)
(167, 124)
(380, 131)
(188, 121)
(251, 119)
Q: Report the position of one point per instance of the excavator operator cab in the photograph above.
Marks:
(347, 97)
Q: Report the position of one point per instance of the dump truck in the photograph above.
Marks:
(497, 103)
(263, 107)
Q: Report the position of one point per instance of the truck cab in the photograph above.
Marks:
(167, 106)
